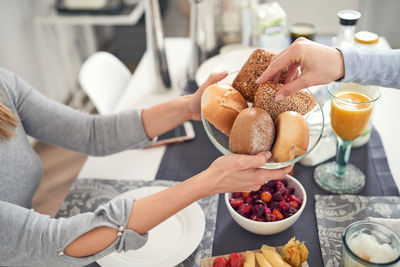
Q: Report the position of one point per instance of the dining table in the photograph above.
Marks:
(378, 159)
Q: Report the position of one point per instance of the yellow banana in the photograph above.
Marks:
(249, 259)
(273, 257)
(262, 261)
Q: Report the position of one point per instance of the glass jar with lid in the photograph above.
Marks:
(366, 39)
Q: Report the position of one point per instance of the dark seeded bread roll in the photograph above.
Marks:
(256, 64)
(301, 102)
(253, 131)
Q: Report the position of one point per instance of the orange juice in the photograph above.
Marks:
(350, 119)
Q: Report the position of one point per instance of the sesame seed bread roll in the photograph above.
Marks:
(292, 136)
(252, 132)
(301, 102)
(220, 105)
(256, 64)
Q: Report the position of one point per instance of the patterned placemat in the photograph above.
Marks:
(87, 194)
(334, 213)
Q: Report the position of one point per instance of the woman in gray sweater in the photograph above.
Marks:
(28, 238)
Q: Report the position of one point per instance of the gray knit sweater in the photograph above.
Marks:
(28, 238)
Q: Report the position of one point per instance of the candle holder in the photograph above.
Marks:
(386, 239)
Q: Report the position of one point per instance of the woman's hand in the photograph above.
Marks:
(319, 64)
(237, 173)
(194, 106)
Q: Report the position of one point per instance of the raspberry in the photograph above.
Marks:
(244, 208)
(235, 202)
(294, 198)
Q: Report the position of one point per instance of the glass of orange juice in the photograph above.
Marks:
(351, 109)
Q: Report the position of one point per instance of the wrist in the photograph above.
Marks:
(207, 182)
(185, 104)
(339, 65)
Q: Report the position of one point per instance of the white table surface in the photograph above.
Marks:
(144, 163)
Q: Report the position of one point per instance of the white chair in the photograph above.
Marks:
(104, 78)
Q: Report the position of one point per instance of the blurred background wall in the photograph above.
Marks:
(34, 53)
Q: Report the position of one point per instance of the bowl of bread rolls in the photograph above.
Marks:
(244, 118)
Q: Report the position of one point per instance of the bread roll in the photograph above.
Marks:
(220, 105)
(292, 136)
(253, 131)
(301, 102)
(256, 64)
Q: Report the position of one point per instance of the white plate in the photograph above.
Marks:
(169, 243)
(231, 61)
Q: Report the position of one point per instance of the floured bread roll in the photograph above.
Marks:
(301, 102)
(220, 105)
(253, 131)
(292, 136)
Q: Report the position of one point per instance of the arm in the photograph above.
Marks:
(98, 135)
(230, 173)
(61, 125)
(163, 117)
(322, 64)
(30, 238)
(372, 66)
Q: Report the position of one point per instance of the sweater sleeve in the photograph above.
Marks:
(30, 238)
(372, 66)
(64, 126)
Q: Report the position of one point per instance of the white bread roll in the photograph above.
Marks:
(253, 131)
(220, 105)
(292, 136)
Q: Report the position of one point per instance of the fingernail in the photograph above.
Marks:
(267, 155)
(279, 97)
(258, 80)
(224, 72)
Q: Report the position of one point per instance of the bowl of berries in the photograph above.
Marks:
(271, 209)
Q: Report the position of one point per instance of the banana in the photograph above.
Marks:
(273, 257)
(250, 259)
(262, 261)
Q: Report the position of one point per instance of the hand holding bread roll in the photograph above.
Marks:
(220, 105)
(292, 136)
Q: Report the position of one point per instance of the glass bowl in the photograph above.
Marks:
(314, 118)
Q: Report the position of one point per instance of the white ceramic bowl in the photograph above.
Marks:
(269, 228)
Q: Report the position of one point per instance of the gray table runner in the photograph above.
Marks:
(87, 194)
(335, 213)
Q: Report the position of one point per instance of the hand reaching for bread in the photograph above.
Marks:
(195, 99)
(267, 124)
(314, 71)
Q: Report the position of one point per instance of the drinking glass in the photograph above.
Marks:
(351, 108)
(364, 242)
